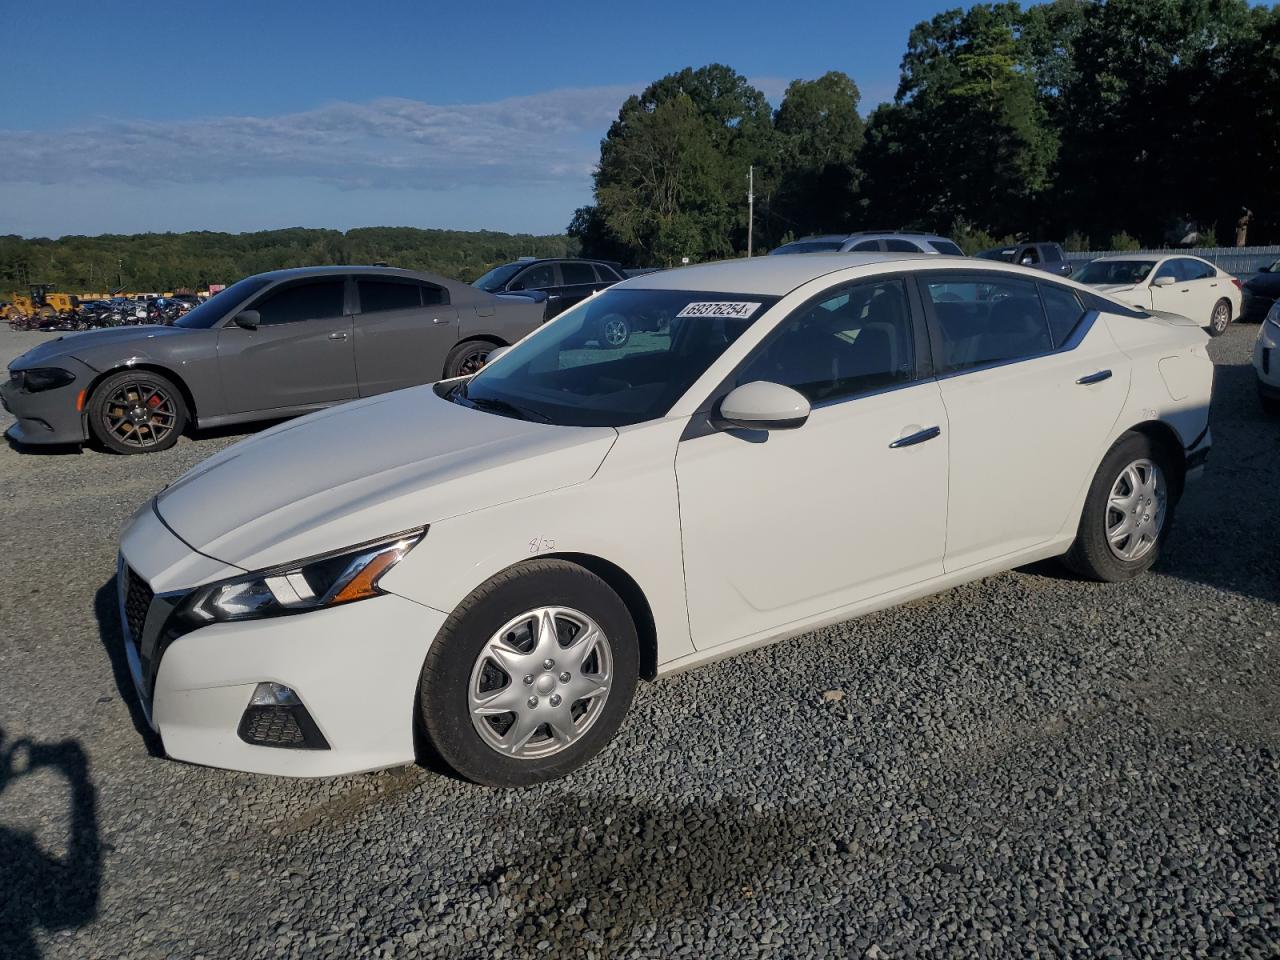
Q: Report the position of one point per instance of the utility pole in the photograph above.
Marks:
(751, 207)
(120, 274)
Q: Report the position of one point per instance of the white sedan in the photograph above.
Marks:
(1187, 286)
(1266, 361)
(782, 443)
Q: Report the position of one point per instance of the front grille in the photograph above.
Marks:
(137, 601)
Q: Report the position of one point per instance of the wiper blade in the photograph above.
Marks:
(505, 408)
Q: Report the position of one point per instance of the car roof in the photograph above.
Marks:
(818, 238)
(291, 273)
(774, 276)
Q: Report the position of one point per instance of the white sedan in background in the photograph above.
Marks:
(1266, 361)
(786, 442)
(1187, 286)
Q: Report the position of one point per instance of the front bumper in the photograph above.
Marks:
(50, 416)
(354, 667)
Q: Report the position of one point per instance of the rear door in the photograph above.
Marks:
(404, 329)
(301, 354)
(577, 282)
(1207, 288)
(1032, 386)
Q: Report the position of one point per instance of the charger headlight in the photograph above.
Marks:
(38, 379)
(1273, 315)
(324, 581)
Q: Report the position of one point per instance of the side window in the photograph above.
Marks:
(1194, 269)
(866, 246)
(575, 273)
(302, 301)
(1064, 311)
(986, 319)
(535, 278)
(900, 246)
(857, 340)
(606, 274)
(1168, 269)
(1052, 253)
(432, 295)
(1028, 255)
(378, 296)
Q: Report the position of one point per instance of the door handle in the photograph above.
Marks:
(340, 335)
(1095, 377)
(440, 320)
(920, 436)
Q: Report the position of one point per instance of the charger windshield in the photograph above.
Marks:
(622, 357)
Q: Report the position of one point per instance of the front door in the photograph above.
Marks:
(301, 354)
(784, 526)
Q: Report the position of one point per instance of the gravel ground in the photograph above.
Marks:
(1027, 766)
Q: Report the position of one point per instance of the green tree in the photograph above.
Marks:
(819, 133)
(672, 175)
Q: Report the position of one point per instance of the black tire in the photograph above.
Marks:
(1091, 555)
(447, 672)
(156, 425)
(1270, 405)
(615, 331)
(1220, 318)
(467, 358)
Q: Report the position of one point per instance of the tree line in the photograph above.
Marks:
(1107, 124)
(165, 261)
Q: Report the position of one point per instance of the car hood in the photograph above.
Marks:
(368, 469)
(1266, 283)
(123, 342)
(1111, 289)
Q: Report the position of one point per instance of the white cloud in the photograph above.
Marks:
(545, 138)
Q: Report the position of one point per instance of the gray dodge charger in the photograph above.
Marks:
(271, 346)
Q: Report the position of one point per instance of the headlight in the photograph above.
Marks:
(1273, 315)
(325, 581)
(44, 378)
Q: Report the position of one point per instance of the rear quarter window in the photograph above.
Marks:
(947, 248)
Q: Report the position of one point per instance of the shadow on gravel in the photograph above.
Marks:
(36, 889)
(107, 611)
(593, 875)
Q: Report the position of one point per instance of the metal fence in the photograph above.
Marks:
(1238, 261)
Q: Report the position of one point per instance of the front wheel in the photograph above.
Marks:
(1220, 319)
(1127, 513)
(531, 675)
(137, 412)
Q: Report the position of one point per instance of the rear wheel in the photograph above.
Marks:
(467, 358)
(1127, 513)
(137, 411)
(1220, 319)
(531, 676)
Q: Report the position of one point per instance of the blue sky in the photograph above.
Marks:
(134, 116)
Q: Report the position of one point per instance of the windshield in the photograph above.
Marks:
(624, 356)
(807, 246)
(215, 308)
(1115, 271)
(1004, 254)
(497, 278)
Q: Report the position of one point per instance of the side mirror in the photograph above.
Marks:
(249, 319)
(1163, 282)
(1265, 269)
(761, 405)
(1027, 261)
(515, 285)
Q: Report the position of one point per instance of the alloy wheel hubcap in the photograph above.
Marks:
(140, 414)
(1136, 510)
(615, 332)
(1220, 316)
(540, 682)
(474, 362)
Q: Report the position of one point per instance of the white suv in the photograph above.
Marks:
(872, 242)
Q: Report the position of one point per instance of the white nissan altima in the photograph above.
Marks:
(777, 444)
(1187, 286)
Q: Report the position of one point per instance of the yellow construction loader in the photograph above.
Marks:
(41, 302)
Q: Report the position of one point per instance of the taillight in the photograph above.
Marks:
(1236, 281)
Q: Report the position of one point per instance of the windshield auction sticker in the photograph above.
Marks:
(735, 310)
